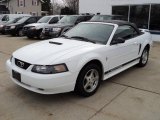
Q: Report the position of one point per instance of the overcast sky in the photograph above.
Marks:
(59, 1)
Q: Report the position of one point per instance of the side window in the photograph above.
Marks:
(31, 20)
(126, 32)
(53, 20)
(88, 18)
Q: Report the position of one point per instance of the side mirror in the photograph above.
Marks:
(118, 40)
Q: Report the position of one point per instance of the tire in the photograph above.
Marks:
(3, 33)
(20, 33)
(13, 34)
(30, 37)
(144, 57)
(88, 80)
(41, 36)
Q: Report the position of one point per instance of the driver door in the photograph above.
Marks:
(123, 53)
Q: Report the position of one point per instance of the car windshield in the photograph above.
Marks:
(23, 20)
(91, 32)
(14, 20)
(69, 19)
(44, 19)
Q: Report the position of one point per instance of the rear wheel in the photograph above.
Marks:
(88, 80)
(144, 57)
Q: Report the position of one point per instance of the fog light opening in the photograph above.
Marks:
(40, 89)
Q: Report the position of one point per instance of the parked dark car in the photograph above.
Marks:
(66, 23)
(4, 24)
(35, 29)
(107, 17)
(17, 28)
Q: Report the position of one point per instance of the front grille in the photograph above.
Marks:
(47, 29)
(22, 64)
(26, 28)
(7, 27)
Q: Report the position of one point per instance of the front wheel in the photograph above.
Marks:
(20, 33)
(41, 36)
(88, 80)
(144, 58)
(30, 37)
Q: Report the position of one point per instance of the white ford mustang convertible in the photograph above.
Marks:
(81, 58)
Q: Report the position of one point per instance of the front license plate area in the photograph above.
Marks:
(16, 75)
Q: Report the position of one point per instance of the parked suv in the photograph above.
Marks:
(8, 17)
(16, 28)
(107, 17)
(66, 23)
(4, 24)
(35, 29)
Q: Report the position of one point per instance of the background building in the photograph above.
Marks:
(145, 13)
(32, 7)
(4, 7)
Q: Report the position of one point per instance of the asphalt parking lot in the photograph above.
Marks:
(131, 95)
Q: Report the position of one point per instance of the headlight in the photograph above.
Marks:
(33, 28)
(56, 29)
(50, 69)
(1, 26)
(12, 27)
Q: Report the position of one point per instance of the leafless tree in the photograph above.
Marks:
(72, 4)
(56, 7)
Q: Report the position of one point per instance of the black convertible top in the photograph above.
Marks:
(120, 23)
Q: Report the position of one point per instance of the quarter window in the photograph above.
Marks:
(126, 32)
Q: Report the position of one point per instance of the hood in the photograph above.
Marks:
(14, 24)
(37, 24)
(44, 53)
(3, 23)
(60, 25)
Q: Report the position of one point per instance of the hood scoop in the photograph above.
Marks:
(56, 43)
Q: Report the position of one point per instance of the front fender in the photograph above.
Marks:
(87, 58)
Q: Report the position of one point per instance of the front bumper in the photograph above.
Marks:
(43, 84)
(2, 29)
(30, 32)
(11, 31)
(51, 34)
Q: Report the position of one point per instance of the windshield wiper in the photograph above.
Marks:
(65, 36)
(83, 39)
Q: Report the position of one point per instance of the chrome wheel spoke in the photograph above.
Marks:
(145, 57)
(91, 80)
